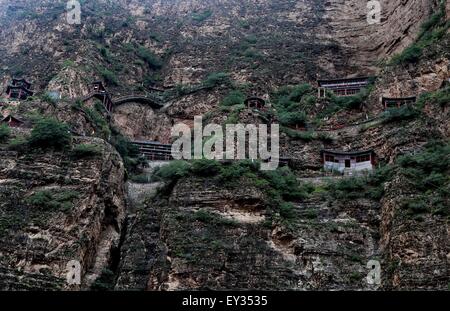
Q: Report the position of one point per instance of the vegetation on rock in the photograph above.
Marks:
(5, 132)
(50, 133)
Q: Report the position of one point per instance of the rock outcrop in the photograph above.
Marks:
(55, 209)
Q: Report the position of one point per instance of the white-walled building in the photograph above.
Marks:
(348, 162)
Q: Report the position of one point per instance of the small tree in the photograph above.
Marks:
(50, 133)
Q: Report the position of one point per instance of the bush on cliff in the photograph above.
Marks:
(86, 151)
(216, 79)
(153, 61)
(5, 132)
(172, 172)
(53, 200)
(50, 133)
(233, 98)
(432, 31)
(400, 114)
(290, 103)
(440, 97)
(411, 54)
(205, 167)
(201, 16)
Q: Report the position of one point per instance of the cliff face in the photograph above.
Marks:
(263, 44)
(416, 251)
(198, 233)
(56, 209)
(207, 236)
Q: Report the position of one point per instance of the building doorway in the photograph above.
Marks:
(347, 163)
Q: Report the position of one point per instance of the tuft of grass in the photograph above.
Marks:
(51, 200)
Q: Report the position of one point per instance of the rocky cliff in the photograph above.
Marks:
(232, 227)
(56, 209)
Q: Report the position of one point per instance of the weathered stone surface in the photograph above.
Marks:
(39, 239)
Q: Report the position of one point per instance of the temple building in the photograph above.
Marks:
(342, 87)
(12, 121)
(255, 103)
(348, 162)
(154, 151)
(397, 102)
(19, 88)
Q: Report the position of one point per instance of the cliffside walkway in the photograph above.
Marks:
(109, 103)
(152, 101)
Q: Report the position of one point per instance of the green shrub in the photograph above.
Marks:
(433, 21)
(149, 57)
(293, 118)
(252, 39)
(235, 170)
(299, 91)
(290, 103)
(50, 200)
(5, 133)
(105, 281)
(201, 16)
(109, 76)
(311, 213)
(50, 133)
(97, 119)
(285, 182)
(18, 144)
(173, 171)
(440, 97)
(123, 145)
(410, 55)
(244, 24)
(427, 173)
(432, 31)
(286, 210)
(324, 137)
(86, 151)
(252, 53)
(68, 63)
(348, 188)
(206, 167)
(233, 98)
(216, 79)
(106, 54)
(416, 206)
(303, 135)
(400, 114)
(203, 216)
